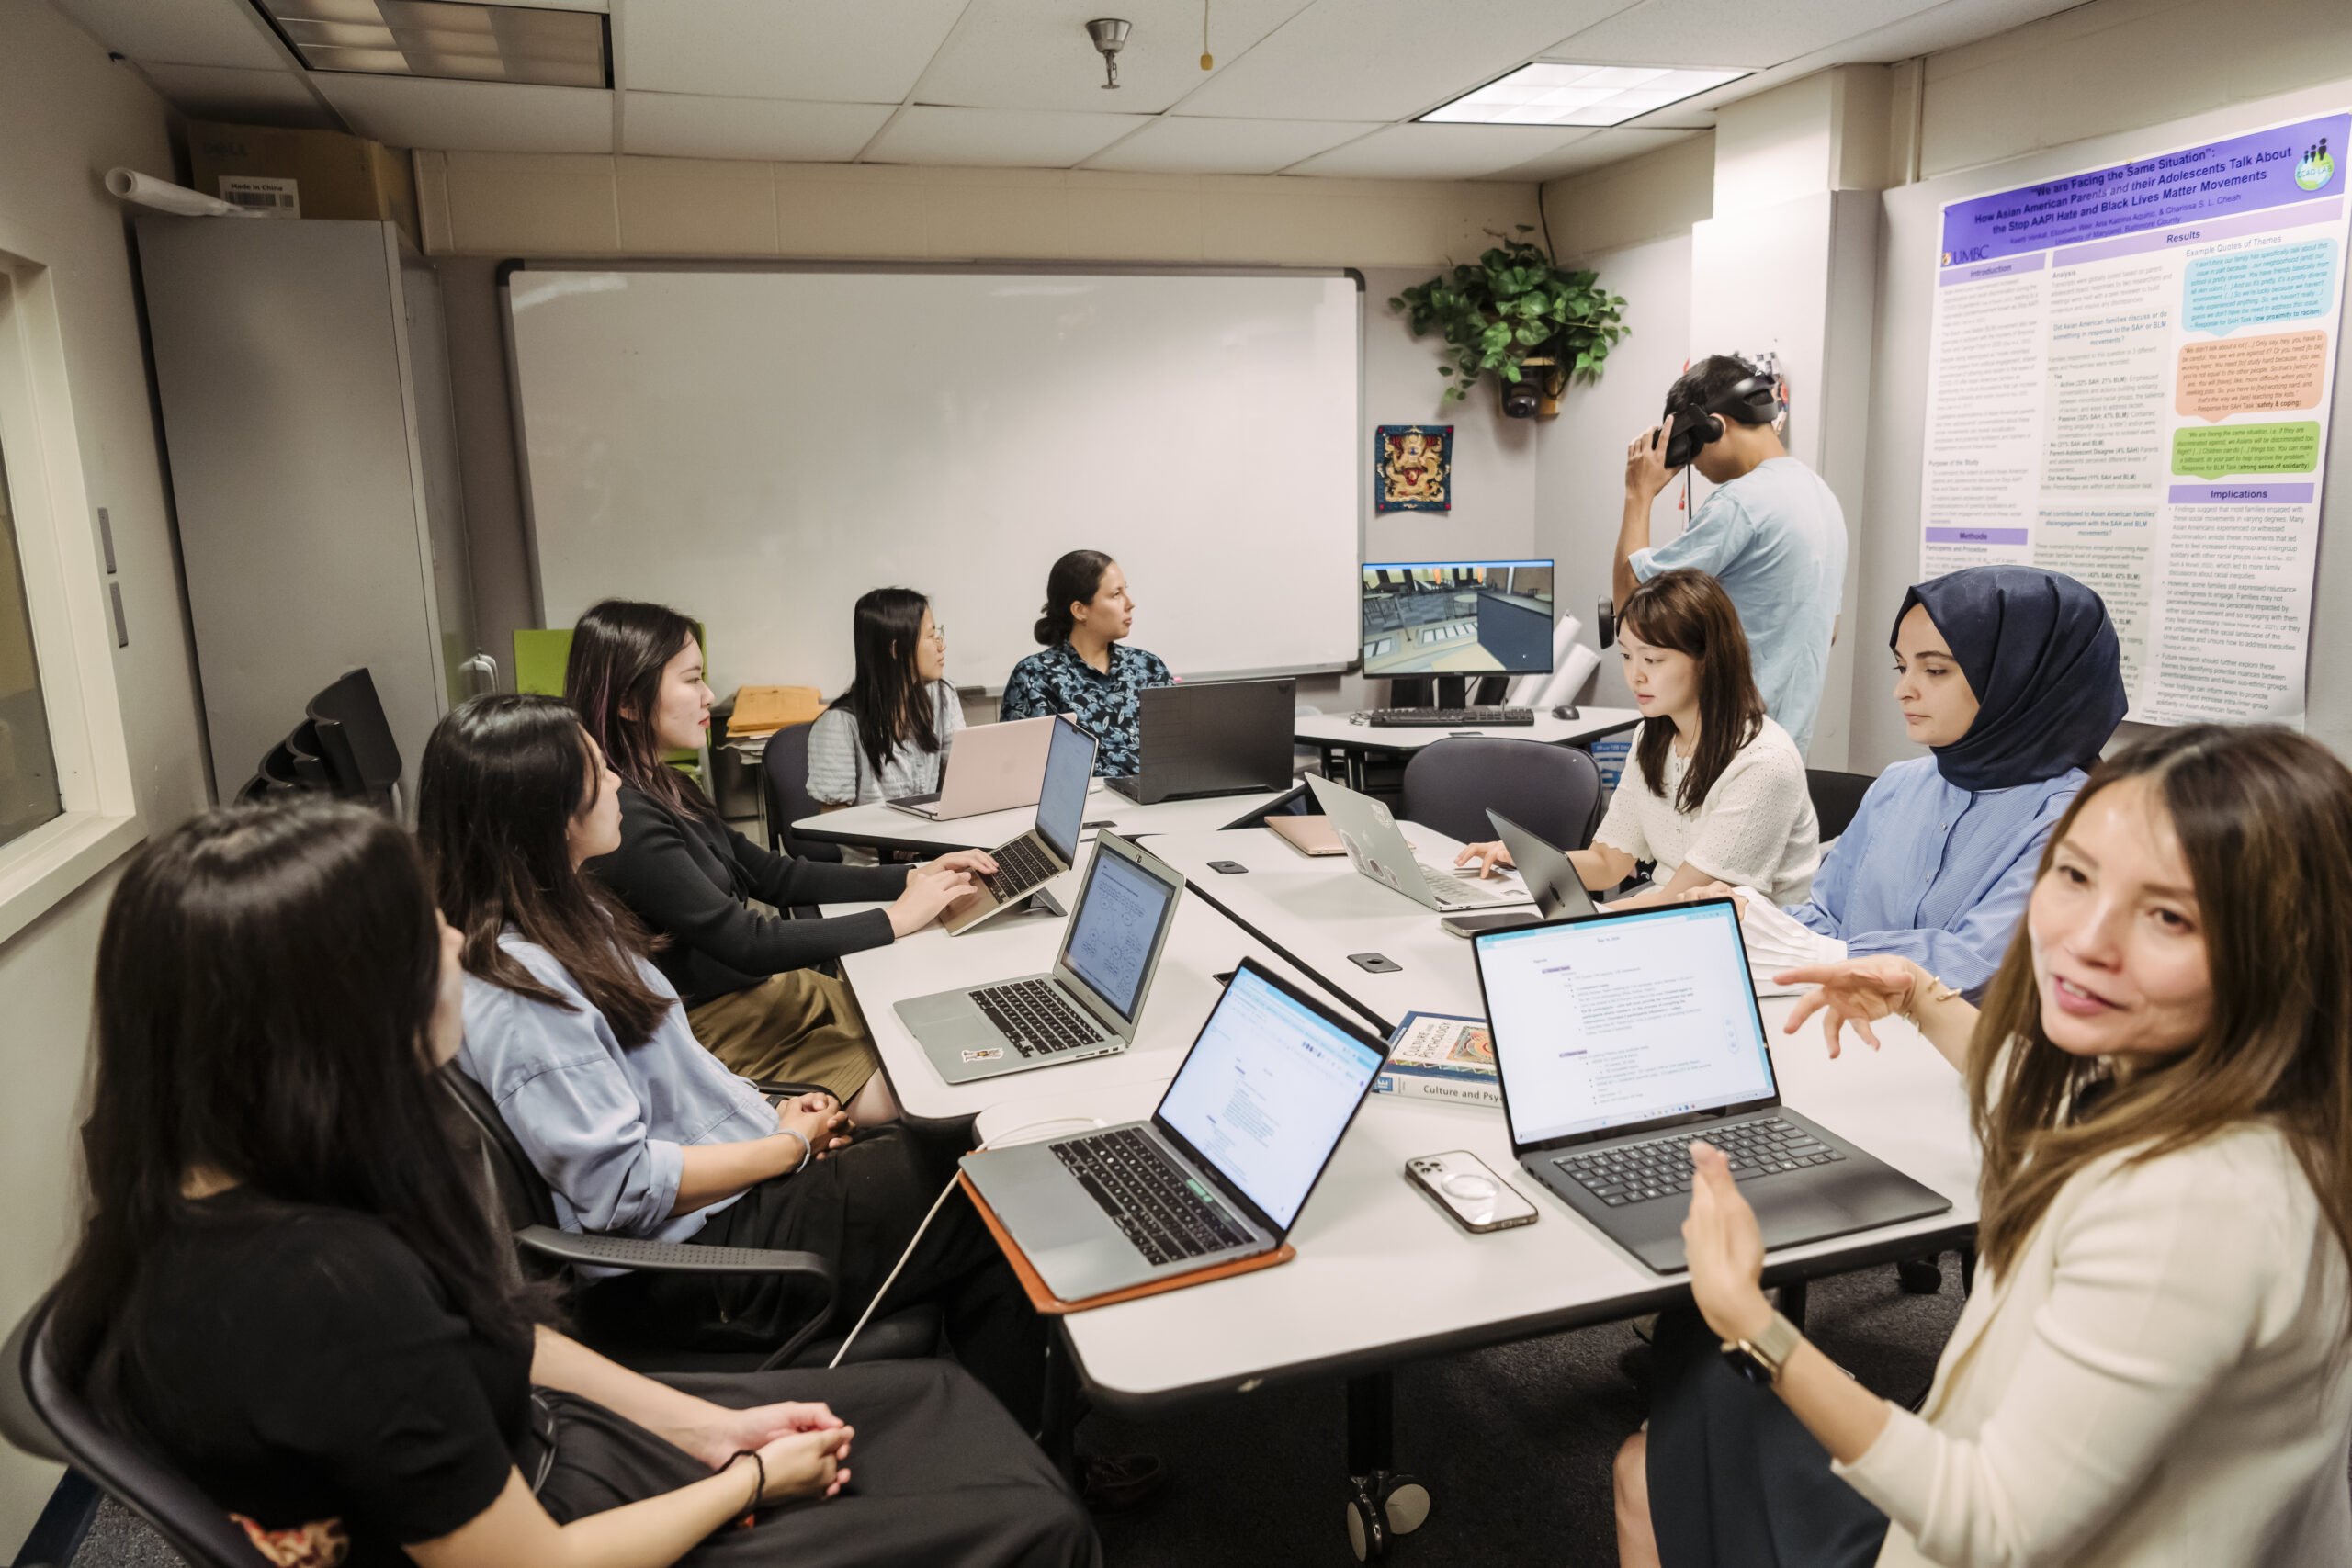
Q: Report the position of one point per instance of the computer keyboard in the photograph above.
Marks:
(1020, 867)
(1444, 719)
(1641, 1173)
(1036, 1018)
(1459, 887)
(1168, 1214)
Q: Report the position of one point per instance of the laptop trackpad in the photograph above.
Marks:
(1792, 1216)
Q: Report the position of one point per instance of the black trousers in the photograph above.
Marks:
(1736, 1480)
(939, 1475)
(855, 1207)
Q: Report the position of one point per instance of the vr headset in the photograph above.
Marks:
(1756, 400)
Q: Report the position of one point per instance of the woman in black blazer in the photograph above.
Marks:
(636, 680)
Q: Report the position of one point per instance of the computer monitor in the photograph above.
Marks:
(1457, 617)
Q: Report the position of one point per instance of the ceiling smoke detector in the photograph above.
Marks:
(1110, 36)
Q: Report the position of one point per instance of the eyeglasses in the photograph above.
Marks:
(938, 633)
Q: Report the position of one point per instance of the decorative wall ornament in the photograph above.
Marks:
(1412, 468)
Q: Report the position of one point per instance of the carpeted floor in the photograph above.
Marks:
(1514, 1442)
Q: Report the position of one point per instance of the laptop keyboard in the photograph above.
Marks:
(1020, 867)
(1453, 887)
(1036, 1018)
(1168, 1214)
(1641, 1173)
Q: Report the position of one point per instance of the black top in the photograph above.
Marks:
(686, 876)
(301, 1365)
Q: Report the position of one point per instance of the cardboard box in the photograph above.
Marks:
(325, 172)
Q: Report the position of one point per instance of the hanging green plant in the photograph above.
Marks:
(1515, 305)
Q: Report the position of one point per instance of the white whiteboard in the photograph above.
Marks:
(759, 448)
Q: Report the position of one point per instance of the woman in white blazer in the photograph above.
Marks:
(2153, 1368)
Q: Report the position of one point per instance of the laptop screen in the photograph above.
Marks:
(1609, 1023)
(1267, 1091)
(1061, 800)
(1111, 936)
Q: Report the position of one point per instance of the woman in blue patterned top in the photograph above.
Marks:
(2012, 676)
(1084, 671)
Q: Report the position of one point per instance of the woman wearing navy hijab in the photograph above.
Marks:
(2012, 675)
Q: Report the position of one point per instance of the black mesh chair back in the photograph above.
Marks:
(356, 738)
(1836, 797)
(43, 1415)
(784, 764)
(1552, 791)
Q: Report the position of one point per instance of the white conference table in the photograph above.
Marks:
(879, 827)
(1341, 733)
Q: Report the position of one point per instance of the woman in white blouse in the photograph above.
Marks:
(2153, 1368)
(1716, 790)
(887, 737)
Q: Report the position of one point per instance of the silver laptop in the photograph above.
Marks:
(1621, 1038)
(1219, 1172)
(1087, 1004)
(1549, 873)
(988, 767)
(1376, 848)
(1037, 857)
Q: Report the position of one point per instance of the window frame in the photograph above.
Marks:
(65, 593)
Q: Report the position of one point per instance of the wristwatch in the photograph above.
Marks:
(1759, 1359)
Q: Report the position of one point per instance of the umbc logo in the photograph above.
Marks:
(2317, 168)
(1972, 254)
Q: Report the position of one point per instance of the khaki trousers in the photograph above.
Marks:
(798, 1027)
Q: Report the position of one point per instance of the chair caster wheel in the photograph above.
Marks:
(1384, 1508)
(1406, 1502)
(1920, 1276)
(1367, 1531)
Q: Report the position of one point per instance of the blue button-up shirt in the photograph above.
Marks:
(604, 1125)
(1110, 705)
(1937, 873)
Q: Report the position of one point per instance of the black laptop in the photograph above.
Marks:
(1216, 737)
(1618, 1039)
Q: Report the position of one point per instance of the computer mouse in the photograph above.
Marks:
(1566, 710)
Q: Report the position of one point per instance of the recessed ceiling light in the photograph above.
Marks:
(445, 38)
(1556, 93)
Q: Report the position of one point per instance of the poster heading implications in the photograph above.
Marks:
(2221, 179)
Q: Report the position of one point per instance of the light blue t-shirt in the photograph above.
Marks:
(1776, 539)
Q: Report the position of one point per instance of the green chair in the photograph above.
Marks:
(541, 657)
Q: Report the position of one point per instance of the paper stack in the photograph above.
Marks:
(1777, 942)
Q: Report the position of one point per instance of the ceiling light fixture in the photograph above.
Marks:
(1110, 36)
(447, 39)
(1554, 91)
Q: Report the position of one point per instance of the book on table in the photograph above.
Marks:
(1436, 1055)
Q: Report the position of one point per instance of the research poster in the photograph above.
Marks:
(2129, 381)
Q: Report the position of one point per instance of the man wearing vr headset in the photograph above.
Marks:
(1771, 532)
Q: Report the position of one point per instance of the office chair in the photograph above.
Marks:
(784, 767)
(1836, 797)
(1554, 791)
(356, 739)
(529, 1206)
(43, 1416)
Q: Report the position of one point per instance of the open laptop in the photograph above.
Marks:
(1087, 1004)
(1376, 848)
(988, 767)
(1217, 738)
(1550, 875)
(1047, 850)
(1621, 1038)
(1219, 1172)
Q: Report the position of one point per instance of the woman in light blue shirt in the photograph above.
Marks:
(2012, 676)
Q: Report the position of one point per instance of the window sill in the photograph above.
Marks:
(47, 865)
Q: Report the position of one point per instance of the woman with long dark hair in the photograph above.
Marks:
(287, 1287)
(1720, 795)
(2151, 1368)
(752, 992)
(886, 736)
(1086, 670)
(638, 1131)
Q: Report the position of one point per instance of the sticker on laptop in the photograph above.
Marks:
(990, 1054)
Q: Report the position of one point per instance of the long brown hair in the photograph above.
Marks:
(2264, 818)
(1688, 611)
(613, 681)
(503, 778)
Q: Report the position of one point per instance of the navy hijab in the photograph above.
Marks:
(2041, 656)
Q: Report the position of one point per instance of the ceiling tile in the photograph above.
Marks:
(843, 50)
(986, 138)
(476, 117)
(1440, 151)
(251, 98)
(1194, 146)
(1034, 54)
(1385, 59)
(1611, 145)
(679, 125)
(182, 33)
(1750, 33)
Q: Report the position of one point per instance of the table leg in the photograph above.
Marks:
(1382, 1502)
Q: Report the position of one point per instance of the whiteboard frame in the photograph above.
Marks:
(504, 274)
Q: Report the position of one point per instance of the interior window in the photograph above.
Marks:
(28, 795)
